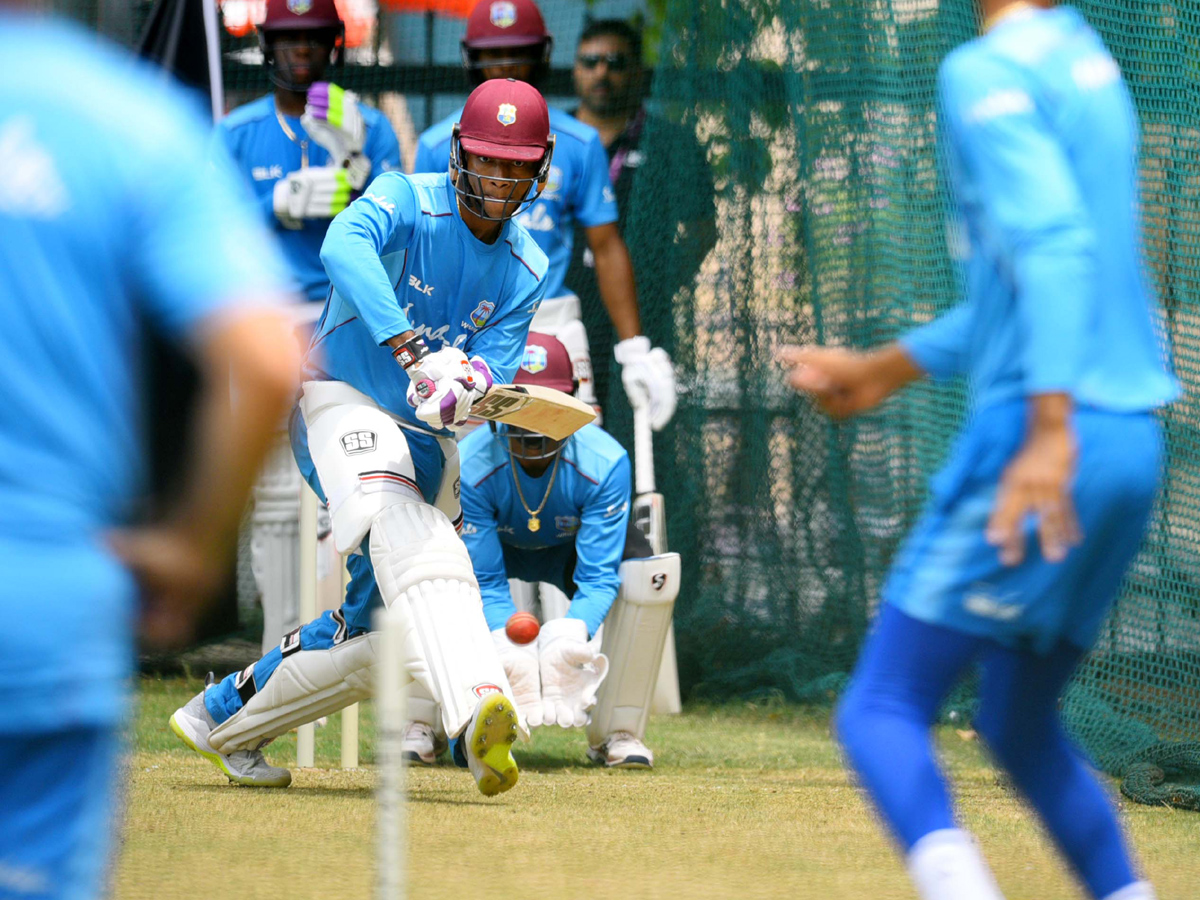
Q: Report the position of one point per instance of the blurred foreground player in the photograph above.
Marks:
(434, 287)
(1043, 504)
(508, 39)
(541, 510)
(103, 240)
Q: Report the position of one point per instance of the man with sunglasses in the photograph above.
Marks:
(541, 510)
(508, 38)
(610, 83)
(433, 289)
(305, 150)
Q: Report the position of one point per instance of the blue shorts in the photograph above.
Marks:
(57, 799)
(947, 574)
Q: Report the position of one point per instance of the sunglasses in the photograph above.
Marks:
(616, 62)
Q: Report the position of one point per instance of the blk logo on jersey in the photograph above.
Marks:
(659, 581)
(507, 114)
(415, 283)
(503, 14)
(299, 7)
(483, 312)
(356, 442)
(535, 359)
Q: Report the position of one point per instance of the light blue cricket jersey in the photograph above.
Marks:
(400, 257)
(588, 507)
(578, 189)
(1041, 143)
(252, 137)
(111, 220)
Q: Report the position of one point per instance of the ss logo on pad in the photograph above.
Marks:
(356, 442)
(659, 581)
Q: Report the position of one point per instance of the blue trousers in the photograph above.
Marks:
(57, 797)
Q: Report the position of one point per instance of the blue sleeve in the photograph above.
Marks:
(502, 344)
(487, 556)
(595, 202)
(223, 150)
(383, 148)
(940, 347)
(198, 243)
(1013, 165)
(425, 161)
(384, 215)
(599, 546)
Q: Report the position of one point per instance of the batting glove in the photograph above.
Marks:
(315, 193)
(333, 119)
(445, 385)
(649, 378)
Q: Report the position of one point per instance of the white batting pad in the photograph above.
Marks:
(633, 637)
(307, 684)
(361, 455)
(421, 563)
(275, 542)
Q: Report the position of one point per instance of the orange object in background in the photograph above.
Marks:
(456, 8)
(358, 16)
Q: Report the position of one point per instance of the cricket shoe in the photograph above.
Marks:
(490, 735)
(421, 745)
(192, 722)
(622, 750)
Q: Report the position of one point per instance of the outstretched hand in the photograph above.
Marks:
(846, 382)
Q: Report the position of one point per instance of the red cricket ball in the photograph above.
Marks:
(522, 627)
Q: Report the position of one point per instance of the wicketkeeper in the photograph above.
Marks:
(541, 510)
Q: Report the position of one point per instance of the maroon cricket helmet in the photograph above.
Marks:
(546, 362)
(507, 24)
(300, 15)
(321, 18)
(506, 119)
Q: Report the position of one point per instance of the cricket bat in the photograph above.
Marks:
(650, 517)
(535, 408)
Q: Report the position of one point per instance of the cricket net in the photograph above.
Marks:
(820, 129)
(817, 125)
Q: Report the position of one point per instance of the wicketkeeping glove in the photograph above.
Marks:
(520, 663)
(314, 193)
(445, 385)
(649, 378)
(572, 671)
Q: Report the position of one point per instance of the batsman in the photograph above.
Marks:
(552, 511)
(434, 287)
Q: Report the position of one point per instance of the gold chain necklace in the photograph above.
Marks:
(534, 522)
(292, 137)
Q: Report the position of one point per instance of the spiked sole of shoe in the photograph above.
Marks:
(219, 761)
(491, 743)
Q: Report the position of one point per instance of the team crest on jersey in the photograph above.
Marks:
(503, 14)
(507, 114)
(566, 525)
(299, 7)
(481, 313)
(535, 359)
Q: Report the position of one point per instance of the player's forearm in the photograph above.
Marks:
(1050, 416)
(351, 259)
(618, 290)
(894, 367)
(255, 354)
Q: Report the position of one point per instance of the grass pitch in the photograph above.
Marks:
(744, 802)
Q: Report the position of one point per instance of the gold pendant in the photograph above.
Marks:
(534, 523)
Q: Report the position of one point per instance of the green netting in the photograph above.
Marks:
(818, 123)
